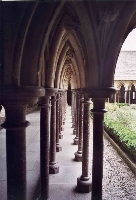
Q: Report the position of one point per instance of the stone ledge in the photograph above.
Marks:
(123, 155)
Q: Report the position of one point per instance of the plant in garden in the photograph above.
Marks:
(121, 124)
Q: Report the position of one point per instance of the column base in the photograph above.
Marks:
(84, 186)
(60, 136)
(58, 148)
(76, 140)
(78, 156)
(53, 168)
(74, 131)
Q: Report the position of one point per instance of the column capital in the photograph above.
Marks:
(51, 91)
(101, 93)
(44, 100)
(11, 95)
(99, 106)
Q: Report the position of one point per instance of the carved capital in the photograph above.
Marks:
(101, 93)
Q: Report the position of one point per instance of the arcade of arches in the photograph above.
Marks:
(47, 48)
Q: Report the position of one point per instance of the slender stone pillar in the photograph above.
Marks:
(15, 100)
(129, 96)
(58, 146)
(77, 118)
(44, 147)
(115, 98)
(84, 183)
(78, 154)
(53, 166)
(125, 96)
(60, 116)
(44, 142)
(16, 151)
(74, 112)
(118, 96)
(97, 168)
(72, 109)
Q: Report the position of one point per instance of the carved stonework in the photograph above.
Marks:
(68, 73)
(70, 53)
(68, 61)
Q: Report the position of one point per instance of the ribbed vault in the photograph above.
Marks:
(40, 39)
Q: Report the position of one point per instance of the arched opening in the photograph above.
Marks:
(133, 94)
(69, 95)
(61, 45)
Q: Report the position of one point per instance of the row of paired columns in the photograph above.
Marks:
(15, 101)
(50, 132)
(81, 128)
(52, 104)
(124, 96)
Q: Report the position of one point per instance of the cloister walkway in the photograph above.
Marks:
(118, 181)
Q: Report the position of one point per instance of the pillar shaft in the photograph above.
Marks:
(78, 154)
(86, 135)
(129, 96)
(97, 169)
(74, 113)
(53, 167)
(16, 151)
(60, 116)
(84, 182)
(81, 113)
(53, 131)
(57, 120)
(44, 147)
(77, 118)
(58, 147)
(115, 98)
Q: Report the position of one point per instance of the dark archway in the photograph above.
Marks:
(69, 95)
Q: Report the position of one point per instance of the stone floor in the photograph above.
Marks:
(118, 181)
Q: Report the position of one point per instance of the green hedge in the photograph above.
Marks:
(123, 134)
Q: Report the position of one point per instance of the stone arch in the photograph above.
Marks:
(133, 94)
(116, 39)
(120, 83)
(69, 42)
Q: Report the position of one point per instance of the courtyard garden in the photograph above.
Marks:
(120, 124)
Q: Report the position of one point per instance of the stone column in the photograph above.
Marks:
(118, 94)
(44, 142)
(16, 151)
(84, 183)
(72, 109)
(60, 116)
(74, 113)
(58, 146)
(53, 166)
(125, 96)
(64, 99)
(97, 168)
(115, 98)
(44, 147)
(15, 100)
(77, 118)
(129, 96)
(78, 154)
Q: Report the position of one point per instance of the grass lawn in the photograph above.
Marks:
(120, 122)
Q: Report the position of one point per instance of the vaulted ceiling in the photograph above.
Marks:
(56, 43)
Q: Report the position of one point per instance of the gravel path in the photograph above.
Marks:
(119, 183)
